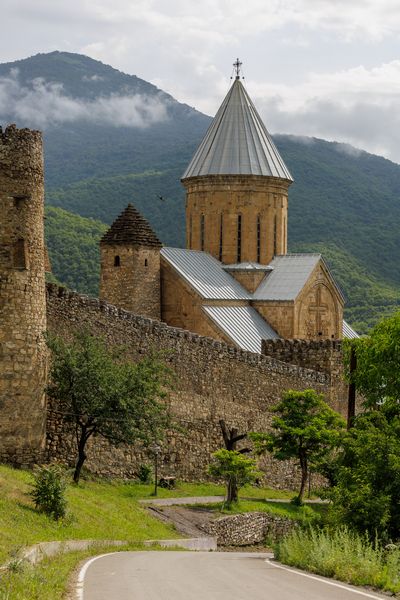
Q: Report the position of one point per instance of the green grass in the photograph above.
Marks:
(343, 555)
(97, 511)
(184, 490)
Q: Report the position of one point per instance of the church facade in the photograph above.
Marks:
(235, 281)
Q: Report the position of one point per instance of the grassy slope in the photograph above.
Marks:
(98, 511)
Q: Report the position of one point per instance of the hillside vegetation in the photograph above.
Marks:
(344, 202)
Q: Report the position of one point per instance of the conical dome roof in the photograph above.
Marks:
(237, 142)
(131, 228)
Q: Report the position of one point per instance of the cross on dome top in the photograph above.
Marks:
(237, 65)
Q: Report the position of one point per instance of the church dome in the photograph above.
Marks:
(237, 142)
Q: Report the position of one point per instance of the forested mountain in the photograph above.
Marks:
(111, 138)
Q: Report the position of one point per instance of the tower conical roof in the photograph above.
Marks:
(237, 142)
(131, 228)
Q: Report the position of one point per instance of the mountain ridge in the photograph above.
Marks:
(344, 200)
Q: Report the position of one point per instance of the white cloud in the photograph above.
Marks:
(358, 106)
(45, 104)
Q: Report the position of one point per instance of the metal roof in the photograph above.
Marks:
(237, 142)
(247, 266)
(242, 324)
(348, 331)
(289, 275)
(205, 274)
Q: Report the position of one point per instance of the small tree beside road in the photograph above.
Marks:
(101, 394)
(306, 429)
(235, 469)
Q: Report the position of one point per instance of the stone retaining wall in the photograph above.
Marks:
(249, 528)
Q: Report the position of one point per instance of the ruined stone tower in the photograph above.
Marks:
(130, 265)
(22, 297)
(237, 187)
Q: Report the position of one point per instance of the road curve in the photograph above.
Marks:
(204, 576)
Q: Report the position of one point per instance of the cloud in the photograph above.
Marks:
(358, 106)
(44, 104)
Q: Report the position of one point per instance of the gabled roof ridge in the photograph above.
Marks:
(131, 228)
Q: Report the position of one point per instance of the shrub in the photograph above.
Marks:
(49, 491)
(144, 473)
(342, 554)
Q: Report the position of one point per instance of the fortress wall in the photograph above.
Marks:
(324, 355)
(213, 381)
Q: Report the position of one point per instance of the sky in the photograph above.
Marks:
(323, 68)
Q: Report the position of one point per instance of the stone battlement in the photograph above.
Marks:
(321, 355)
(82, 304)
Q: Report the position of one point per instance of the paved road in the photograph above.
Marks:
(204, 576)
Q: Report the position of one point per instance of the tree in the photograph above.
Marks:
(377, 375)
(235, 469)
(306, 429)
(102, 394)
(367, 493)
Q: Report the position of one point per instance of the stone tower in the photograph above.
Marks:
(237, 187)
(130, 265)
(23, 354)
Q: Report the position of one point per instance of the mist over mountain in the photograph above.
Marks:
(111, 138)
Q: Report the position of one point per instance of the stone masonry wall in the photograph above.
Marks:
(254, 197)
(213, 381)
(134, 283)
(325, 356)
(23, 354)
(249, 528)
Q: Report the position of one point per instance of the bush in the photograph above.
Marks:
(48, 491)
(144, 473)
(342, 554)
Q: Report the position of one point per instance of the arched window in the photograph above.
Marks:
(117, 261)
(275, 241)
(202, 232)
(258, 238)
(221, 233)
(190, 231)
(239, 238)
(19, 255)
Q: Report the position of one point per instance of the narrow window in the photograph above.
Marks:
(258, 238)
(284, 235)
(19, 255)
(190, 231)
(221, 233)
(275, 235)
(202, 227)
(145, 262)
(117, 261)
(239, 238)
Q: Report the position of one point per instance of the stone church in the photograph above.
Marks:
(238, 319)
(235, 281)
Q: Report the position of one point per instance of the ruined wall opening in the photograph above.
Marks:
(117, 261)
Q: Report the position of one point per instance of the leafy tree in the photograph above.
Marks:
(235, 469)
(367, 494)
(101, 394)
(377, 375)
(307, 429)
